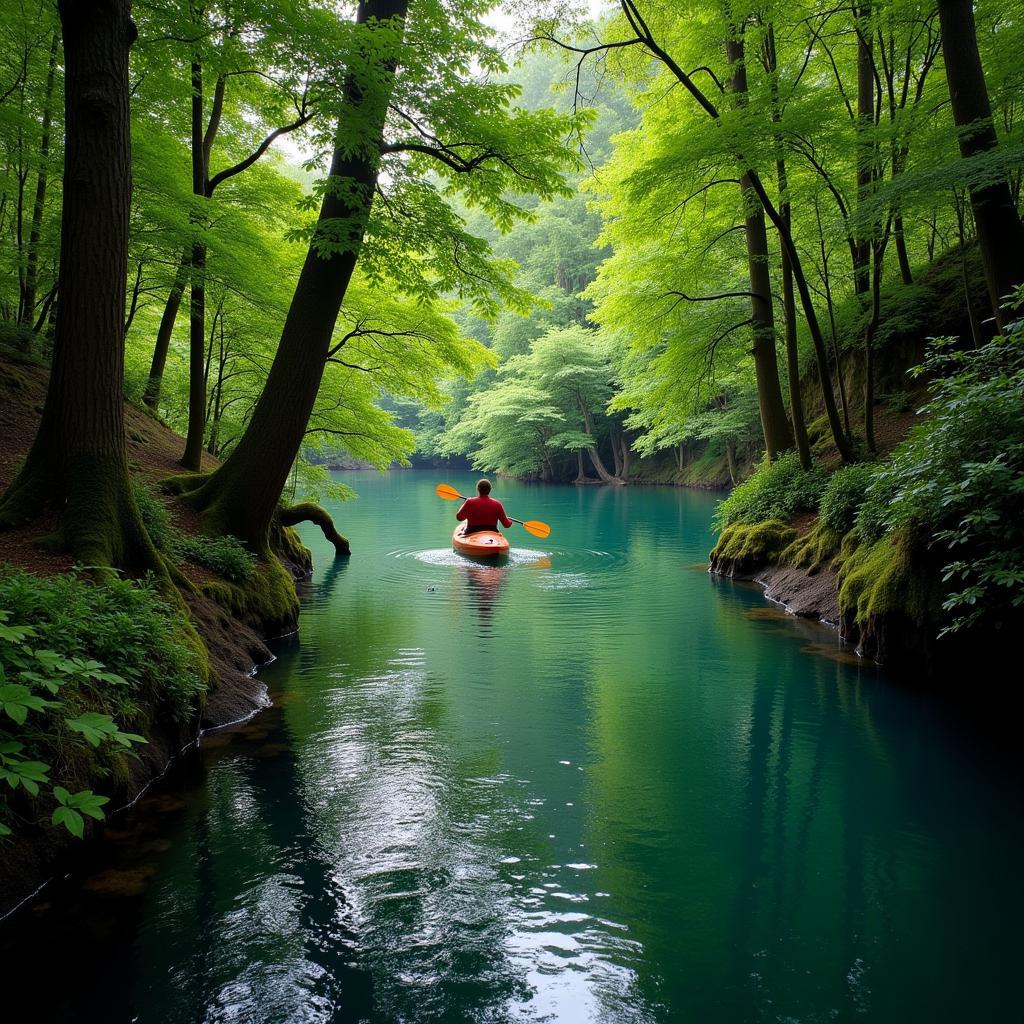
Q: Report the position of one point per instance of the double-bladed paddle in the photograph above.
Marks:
(538, 529)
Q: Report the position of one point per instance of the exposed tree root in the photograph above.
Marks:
(100, 526)
(309, 512)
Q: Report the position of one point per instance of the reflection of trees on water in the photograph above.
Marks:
(261, 928)
(380, 901)
(335, 570)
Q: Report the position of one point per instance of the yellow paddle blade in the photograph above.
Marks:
(447, 492)
(538, 529)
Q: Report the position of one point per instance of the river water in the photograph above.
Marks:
(593, 784)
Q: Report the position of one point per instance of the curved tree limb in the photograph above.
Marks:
(309, 512)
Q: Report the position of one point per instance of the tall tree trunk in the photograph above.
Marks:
(151, 396)
(730, 459)
(28, 304)
(865, 145)
(581, 474)
(595, 456)
(616, 451)
(600, 468)
(839, 437)
(193, 456)
(78, 461)
(777, 434)
(878, 257)
(826, 278)
(972, 316)
(796, 405)
(906, 274)
(1000, 235)
(627, 455)
(242, 495)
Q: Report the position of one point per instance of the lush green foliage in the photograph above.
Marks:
(777, 490)
(84, 670)
(227, 556)
(843, 496)
(957, 483)
(547, 401)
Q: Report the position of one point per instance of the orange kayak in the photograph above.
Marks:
(482, 544)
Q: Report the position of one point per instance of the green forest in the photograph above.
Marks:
(248, 246)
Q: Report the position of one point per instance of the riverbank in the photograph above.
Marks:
(215, 603)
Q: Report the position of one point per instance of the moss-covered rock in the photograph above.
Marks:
(266, 601)
(743, 549)
(889, 598)
(814, 550)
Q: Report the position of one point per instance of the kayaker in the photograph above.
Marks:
(482, 512)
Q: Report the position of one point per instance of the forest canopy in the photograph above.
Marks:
(552, 239)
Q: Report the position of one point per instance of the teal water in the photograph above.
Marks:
(593, 784)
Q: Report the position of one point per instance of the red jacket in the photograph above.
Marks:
(483, 514)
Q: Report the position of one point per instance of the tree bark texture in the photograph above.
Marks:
(865, 145)
(796, 405)
(308, 512)
(193, 455)
(78, 461)
(242, 495)
(1000, 235)
(777, 434)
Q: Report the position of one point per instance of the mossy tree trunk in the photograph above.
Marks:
(1000, 235)
(78, 461)
(308, 512)
(796, 405)
(241, 497)
(777, 434)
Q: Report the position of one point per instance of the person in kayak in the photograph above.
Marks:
(482, 512)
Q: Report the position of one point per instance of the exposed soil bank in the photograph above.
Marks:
(235, 648)
(895, 638)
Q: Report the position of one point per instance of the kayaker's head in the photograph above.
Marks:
(483, 488)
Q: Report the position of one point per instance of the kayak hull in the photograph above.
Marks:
(487, 544)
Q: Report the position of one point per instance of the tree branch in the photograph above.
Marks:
(305, 115)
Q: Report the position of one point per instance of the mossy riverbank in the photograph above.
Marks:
(210, 626)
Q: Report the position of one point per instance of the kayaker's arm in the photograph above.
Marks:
(461, 514)
(503, 516)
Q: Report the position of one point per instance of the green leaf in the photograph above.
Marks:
(88, 803)
(94, 727)
(70, 819)
(16, 634)
(126, 739)
(17, 700)
(27, 774)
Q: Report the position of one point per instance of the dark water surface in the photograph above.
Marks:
(590, 785)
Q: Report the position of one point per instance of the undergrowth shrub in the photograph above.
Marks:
(843, 495)
(227, 556)
(872, 519)
(84, 671)
(777, 490)
(957, 482)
